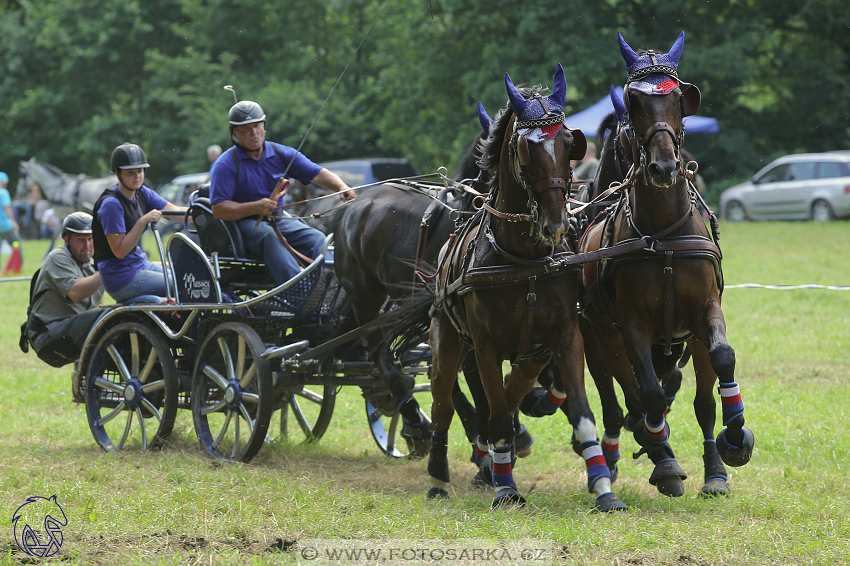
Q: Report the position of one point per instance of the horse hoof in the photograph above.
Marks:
(485, 470)
(523, 441)
(667, 477)
(671, 486)
(608, 503)
(418, 438)
(736, 456)
(478, 482)
(508, 500)
(715, 487)
(436, 493)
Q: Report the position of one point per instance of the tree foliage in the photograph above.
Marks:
(82, 77)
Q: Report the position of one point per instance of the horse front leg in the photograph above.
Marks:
(603, 378)
(705, 409)
(735, 442)
(446, 356)
(568, 355)
(500, 424)
(654, 433)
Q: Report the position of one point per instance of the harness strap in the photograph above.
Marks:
(527, 317)
(669, 298)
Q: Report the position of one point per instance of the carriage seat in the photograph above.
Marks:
(239, 266)
(216, 235)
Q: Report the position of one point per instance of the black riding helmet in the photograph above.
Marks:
(78, 223)
(245, 112)
(128, 156)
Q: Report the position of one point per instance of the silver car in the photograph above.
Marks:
(804, 186)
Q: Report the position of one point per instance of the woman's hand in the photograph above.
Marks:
(152, 217)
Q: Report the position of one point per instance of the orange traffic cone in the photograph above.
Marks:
(14, 263)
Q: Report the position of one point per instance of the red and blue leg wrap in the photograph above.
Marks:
(503, 478)
(611, 446)
(657, 434)
(594, 459)
(733, 403)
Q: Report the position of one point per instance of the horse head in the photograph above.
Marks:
(538, 154)
(655, 103)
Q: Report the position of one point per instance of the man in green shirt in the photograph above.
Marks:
(65, 297)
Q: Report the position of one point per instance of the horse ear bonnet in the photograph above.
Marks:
(657, 73)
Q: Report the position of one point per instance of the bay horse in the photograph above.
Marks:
(72, 192)
(502, 293)
(644, 305)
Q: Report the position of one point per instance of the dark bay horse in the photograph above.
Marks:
(643, 306)
(502, 294)
(379, 238)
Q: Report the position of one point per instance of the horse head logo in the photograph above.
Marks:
(38, 526)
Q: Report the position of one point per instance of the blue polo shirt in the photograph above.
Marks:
(257, 178)
(115, 274)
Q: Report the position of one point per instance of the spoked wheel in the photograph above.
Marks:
(306, 413)
(131, 389)
(231, 393)
(386, 428)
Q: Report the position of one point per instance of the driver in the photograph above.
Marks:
(242, 180)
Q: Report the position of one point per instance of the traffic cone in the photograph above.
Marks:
(14, 263)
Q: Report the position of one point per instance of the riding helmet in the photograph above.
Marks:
(245, 112)
(78, 223)
(128, 156)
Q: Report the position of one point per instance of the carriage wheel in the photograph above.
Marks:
(131, 389)
(307, 413)
(231, 393)
(386, 430)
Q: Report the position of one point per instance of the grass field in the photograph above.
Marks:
(790, 503)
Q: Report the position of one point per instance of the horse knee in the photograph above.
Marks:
(723, 361)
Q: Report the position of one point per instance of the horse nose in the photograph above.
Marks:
(553, 233)
(664, 172)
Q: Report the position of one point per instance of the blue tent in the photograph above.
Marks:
(589, 119)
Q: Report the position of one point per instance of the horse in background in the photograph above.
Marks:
(68, 192)
(644, 305)
(380, 237)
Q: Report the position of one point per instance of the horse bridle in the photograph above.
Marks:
(638, 146)
(520, 157)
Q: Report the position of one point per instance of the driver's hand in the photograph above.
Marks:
(265, 206)
(346, 196)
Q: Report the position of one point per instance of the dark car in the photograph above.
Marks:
(358, 172)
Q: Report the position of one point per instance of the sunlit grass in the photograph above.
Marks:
(790, 503)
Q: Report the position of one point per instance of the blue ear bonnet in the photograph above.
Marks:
(539, 106)
(639, 66)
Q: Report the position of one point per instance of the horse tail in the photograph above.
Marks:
(609, 123)
(408, 323)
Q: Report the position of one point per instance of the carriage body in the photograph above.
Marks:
(230, 347)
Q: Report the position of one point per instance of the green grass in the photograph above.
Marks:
(790, 503)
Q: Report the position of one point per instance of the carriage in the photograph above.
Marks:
(234, 349)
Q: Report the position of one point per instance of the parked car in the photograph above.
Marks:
(177, 191)
(357, 172)
(804, 186)
(179, 188)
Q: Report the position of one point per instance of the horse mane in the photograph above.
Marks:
(490, 149)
